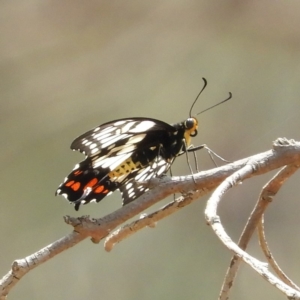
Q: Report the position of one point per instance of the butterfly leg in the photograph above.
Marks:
(210, 152)
(188, 160)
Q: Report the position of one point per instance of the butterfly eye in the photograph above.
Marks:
(189, 123)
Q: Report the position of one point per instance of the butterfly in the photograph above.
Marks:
(124, 153)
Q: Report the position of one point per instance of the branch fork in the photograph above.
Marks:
(285, 155)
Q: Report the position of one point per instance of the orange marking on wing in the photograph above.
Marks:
(105, 191)
(91, 183)
(78, 172)
(99, 189)
(69, 183)
(75, 187)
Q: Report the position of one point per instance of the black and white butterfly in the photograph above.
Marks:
(124, 152)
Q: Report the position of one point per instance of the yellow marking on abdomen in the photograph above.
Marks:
(126, 167)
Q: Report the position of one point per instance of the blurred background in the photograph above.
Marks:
(68, 66)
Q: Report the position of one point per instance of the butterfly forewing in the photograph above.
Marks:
(105, 139)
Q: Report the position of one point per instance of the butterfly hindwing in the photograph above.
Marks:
(136, 185)
(85, 182)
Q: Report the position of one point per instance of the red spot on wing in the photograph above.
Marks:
(99, 189)
(91, 183)
(78, 172)
(75, 186)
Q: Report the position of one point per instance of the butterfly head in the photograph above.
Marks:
(191, 126)
(190, 129)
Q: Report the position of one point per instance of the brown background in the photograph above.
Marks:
(67, 66)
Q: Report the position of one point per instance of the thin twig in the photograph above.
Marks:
(22, 266)
(148, 220)
(270, 258)
(214, 220)
(288, 152)
(266, 196)
(268, 193)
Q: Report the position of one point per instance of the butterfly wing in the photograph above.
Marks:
(135, 187)
(117, 136)
(85, 184)
(118, 153)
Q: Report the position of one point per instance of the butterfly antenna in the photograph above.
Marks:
(204, 86)
(230, 96)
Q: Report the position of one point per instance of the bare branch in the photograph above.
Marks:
(174, 206)
(20, 267)
(265, 198)
(285, 152)
(150, 219)
(268, 193)
(213, 219)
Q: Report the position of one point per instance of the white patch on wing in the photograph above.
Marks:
(108, 139)
(136, 138)
(142, 126)
(130, 190)
(131, 194)
(76, 166)
(143, 177)
(130, 145)
(100, 135)
(126, 127)
(111, 162)
(161, 162)
(161, 170)
(92, 146)
(111, 140)
(154, 165)
(142, 174)
(127, 149)
(113, 148)
(157, 168)
(95, 151)
(105, 130)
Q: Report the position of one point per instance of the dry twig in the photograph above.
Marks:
(265, 198)
(203, 182)
(214, 220)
